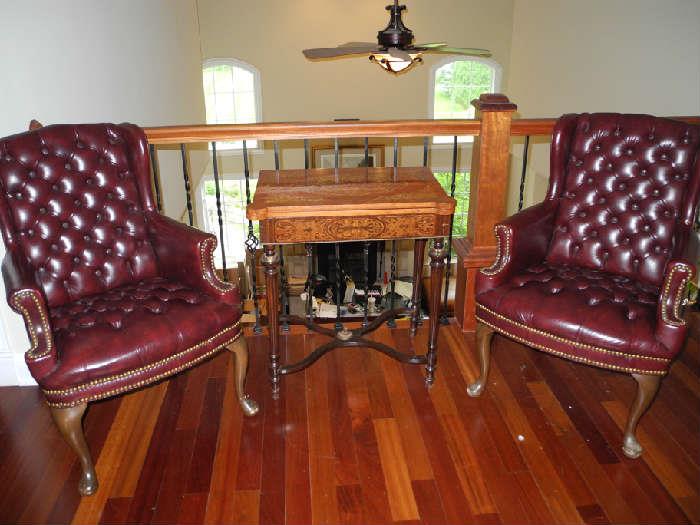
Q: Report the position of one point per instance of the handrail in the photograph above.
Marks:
(310, 130)
(345, 129)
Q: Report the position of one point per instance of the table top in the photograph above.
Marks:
(348, 192)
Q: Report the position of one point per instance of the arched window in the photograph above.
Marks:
(231, 95)
(455, 82)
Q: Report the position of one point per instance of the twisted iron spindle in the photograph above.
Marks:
(219, 214)
(251, 244)
(186, 176)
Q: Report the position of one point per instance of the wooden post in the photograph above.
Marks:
(488, 192)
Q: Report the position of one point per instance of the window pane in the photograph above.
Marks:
(243, 80)
(245, 108)
(223, 79)
(224, 109)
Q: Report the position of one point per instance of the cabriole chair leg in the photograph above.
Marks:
(484, 335)
(70, 423)
(239, 348)
(647, 386)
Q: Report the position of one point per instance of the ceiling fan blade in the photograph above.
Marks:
(475, 52)
(431, 45)
(331, 52)
(370, 45)
(399, 53)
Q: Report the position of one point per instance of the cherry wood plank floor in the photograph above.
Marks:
(357, 438)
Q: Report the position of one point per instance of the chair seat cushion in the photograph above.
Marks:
(585, 315)
(133, 335)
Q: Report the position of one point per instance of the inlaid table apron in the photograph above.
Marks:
(352, 204)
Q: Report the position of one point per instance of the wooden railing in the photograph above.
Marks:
(489, 172)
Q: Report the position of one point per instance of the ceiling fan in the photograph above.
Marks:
(394, 50)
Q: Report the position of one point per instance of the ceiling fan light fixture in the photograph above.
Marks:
(394, 64)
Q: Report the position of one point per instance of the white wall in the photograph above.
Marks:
(95, 61)
(568, 56)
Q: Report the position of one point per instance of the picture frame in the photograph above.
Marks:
(350, 156)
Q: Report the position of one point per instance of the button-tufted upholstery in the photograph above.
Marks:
(114, 295)
(596, 272)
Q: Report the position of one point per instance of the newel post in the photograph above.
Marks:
(488, 190)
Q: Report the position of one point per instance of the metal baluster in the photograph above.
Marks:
(392, 322)
(443, 316)
(156, 176)
(336, 150)
(392, 278)
(309, 278)
(186, 176)
(365, 260)
(426, 146)
(306, 154)
(220, 216)
(366, 152)
(522, 175)
(396, 152)
(338, 324)
(284, 291)
(251, 244)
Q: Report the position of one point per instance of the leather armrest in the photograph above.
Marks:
(25, 298)
(522, 239)
(670, 326)
(186, 255)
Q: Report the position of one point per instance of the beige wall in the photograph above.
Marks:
(93, 61)
(639, 56)
(271, 34)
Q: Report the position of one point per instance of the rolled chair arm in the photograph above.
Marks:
(25, 298)
(186, 254)
(522, 239)
(670, 326)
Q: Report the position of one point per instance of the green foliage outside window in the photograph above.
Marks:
(461, 196)
(457, 84)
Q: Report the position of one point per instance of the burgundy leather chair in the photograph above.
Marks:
(114, 295)
(597, 272)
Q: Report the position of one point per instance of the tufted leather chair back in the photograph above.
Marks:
(626, 185)
(74, 199)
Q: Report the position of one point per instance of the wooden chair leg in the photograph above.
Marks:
(239, 348)
(70, 423)
(647, 387)
(484, 335)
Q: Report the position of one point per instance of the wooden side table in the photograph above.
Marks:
(352, 204)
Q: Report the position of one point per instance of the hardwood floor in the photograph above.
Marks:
(357, 438)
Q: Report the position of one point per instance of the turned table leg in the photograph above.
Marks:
(418, 256)
(437, 266)
(270, 261)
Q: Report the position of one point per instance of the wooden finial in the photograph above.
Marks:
(35, 124)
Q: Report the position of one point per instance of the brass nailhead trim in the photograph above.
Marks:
(136, 371)
(569, 356)
(32, 352)
(143, 382)
(678, 321)
(501, 257)
(206, 255)
(570, 342)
